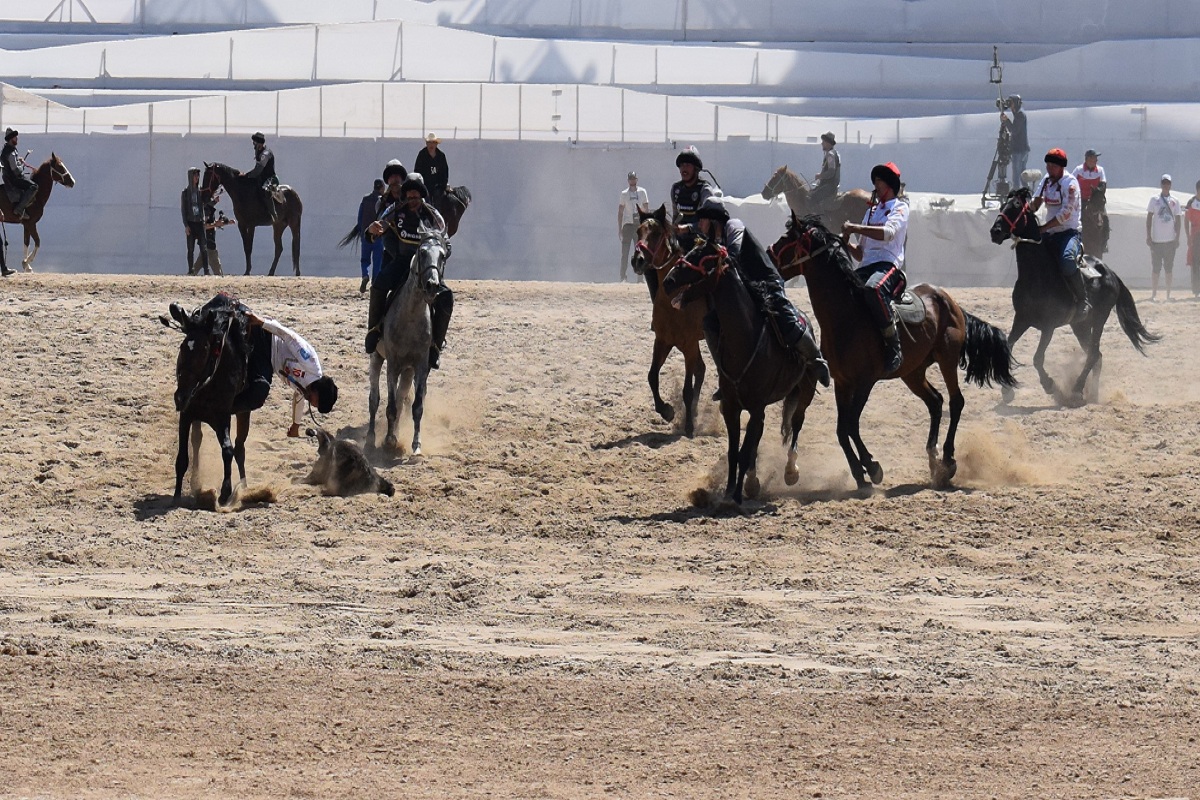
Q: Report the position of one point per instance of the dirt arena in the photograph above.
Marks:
(542, 612)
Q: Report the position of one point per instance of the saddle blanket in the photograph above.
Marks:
(910, 308)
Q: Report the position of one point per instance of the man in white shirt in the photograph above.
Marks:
(1163, 219)
(880, 248)
(1059, 192)
(633, 200)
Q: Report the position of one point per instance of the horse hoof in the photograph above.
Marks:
(667, 412)
(753, 487)
(864, 491)
(416, 450)
(1075, 400)
(942, 473)
(1007, 394)
(876, 473)
(791, 476)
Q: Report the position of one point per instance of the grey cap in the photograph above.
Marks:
(631, 175)
(1090, 153)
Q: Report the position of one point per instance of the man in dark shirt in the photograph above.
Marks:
(263, 171)
(192, 209)
(372, 248)
(1018, 131)
(14, 174)
(431, 164)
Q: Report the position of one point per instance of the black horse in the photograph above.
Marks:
(452, 204)
(754, 369)
(251, 210)
(1094, 227)
(210, 372)
(1042, 300)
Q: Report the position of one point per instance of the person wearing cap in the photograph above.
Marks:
(372, 249)
(686, 196)
(431, 164)
(825, 185)
(263, 171)
(214, 220)
(15, 180)
(400, 226)
(1191, 220)
(750, 258)
(1163, 221)
(880, 248)
(634, 200)
(191, 206)
(1059, 193)
(1018, 132)
(1090, 176)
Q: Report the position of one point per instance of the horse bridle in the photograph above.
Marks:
(663, 243)
(56, 175)
(803, 255)
(1012, 223)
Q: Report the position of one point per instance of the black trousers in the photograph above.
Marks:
(195, 235)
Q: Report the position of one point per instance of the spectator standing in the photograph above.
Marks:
(1163, 220)
(192, 209)
(432, 166)
(1191, 218)
(372, 248)
(633, 200)
(1018, 130)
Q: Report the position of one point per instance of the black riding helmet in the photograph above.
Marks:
(414, 181)
(258, 137)
(394, 167)
(327, 393)
(689, 156)
(713, 209)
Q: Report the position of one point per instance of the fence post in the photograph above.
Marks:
(520, 111)
(382, 110)
(481, 112)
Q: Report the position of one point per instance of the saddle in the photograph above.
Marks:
(1087, 268)
(910, 308)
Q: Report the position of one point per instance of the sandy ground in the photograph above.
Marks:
(541, 610)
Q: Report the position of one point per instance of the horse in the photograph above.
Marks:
(250, 211)
(853, 346)
(407, 336)
(52, 171)
(1042, 300)
(848, 206)
(211, 370)
(1094, 230)
(754, 369)
(674, 328)
(452, 204)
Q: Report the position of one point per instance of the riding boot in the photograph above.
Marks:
(807, 347)
(443, 309)
(375, 311)
(892, 357)
(362, 287)
(1079, 293)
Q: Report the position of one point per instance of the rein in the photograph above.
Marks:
(652, 255)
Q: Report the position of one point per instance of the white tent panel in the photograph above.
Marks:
(502, 112)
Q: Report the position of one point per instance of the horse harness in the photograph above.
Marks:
(652, 255)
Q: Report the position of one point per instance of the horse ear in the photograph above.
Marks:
(660, 213)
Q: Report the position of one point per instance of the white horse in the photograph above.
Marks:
(405, 341)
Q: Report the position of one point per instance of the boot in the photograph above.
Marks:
(1079, 292)
(892, 357)
(375, 318)
(362, 287)
(807, 347)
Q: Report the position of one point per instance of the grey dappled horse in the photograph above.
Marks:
(407, 337)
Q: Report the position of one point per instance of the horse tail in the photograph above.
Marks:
(986, 355)
(351, 237)
(1127, 315)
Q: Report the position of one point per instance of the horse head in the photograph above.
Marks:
(1016, 218)
(778, 183)
(804, 239)
(656, 246)
(212, 358)
(697, 273)
(431, 261)
(59, 172)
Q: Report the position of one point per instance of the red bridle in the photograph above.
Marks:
(720, 255)
(1012, 223)
(651, 256)
(801, 244)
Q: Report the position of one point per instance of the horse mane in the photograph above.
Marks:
(824, 238)
(230, 323)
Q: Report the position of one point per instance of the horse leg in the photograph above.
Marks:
(373, 398)
(748, 459)
(794, 408)
(418, 408)
(247, 242)
(181, 456)
(869, 464)
(1089, 340)
(693, 380)
(661, 349)
(918, 383)
(732, 415)
(29, 255)
(845, 408)
(239, 444)
(391, 442)
(295, 228)
(277, 235)
(226, 460)
(197, 438)
(1039, 362)
(1018, 330)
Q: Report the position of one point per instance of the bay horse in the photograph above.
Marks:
(1094, 229)
(1042, 300)
(52, 171)
(674, 328)
(853, 346)
(251, 211)
(210, 371)
(405, 342)
(754, 369)
(848, 206)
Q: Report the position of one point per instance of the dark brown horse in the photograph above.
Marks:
(1095, 229)
(674, 329)
(848, 206)
(452, 204)
(52, 171)
(853, 346)
(754, 369)
(251, 211)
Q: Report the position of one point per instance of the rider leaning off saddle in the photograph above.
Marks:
(751, 261)
(404, 211)
(880, 248)
(1059, 192)
(263, 170)
(14, 175)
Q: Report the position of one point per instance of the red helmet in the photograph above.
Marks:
(1057, 156)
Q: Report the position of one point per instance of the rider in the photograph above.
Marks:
(14, 174)
(1090, 176)
(432, 166)
(880, 248)
(1018, 131)
(686, 196)
(264, 171)
(400, 225)
(276, 349)
(825, 185)
(752, 262)
(1059, 191)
